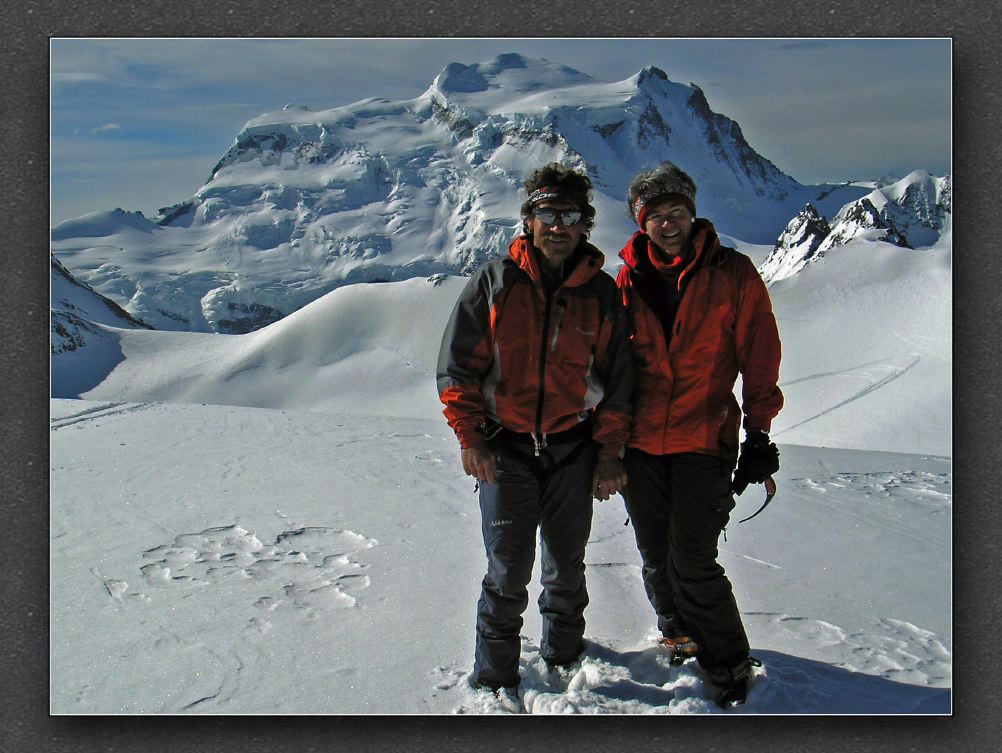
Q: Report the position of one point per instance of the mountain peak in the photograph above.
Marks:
(511, 71)
(508, 60)
(797, 246)
(459, 78)
(103, 223)
(651, 72)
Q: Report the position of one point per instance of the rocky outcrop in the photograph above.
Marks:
(910, 213)
(797, 246)
(77, 310)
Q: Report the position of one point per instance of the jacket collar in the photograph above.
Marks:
(703, 240)
(590, 261)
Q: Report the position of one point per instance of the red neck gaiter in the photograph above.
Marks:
(667, 268)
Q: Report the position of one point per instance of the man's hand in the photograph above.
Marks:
(479, 462)
(609, 478)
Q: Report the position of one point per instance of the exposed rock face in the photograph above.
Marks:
(862, 218)
(910, 213)
(247, 317)
(729, 145)
(797, 245)
(76, 311)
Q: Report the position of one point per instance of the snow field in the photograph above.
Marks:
(289, 562)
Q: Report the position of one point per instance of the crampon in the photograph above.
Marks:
(681, 647)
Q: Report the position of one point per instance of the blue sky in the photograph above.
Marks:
(139, 123)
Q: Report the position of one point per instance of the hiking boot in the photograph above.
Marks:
(557, 663)
(500, 691)
(733, 681)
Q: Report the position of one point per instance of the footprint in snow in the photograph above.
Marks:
(892, 649)
(603, 681)
(309, 568)
(923, 487)
(902, 652)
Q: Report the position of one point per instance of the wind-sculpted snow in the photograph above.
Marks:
(932, 490)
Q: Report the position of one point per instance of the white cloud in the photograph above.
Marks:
(107, 128)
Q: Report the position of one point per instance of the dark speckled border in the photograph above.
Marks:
(26, 28)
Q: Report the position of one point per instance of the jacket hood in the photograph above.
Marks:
(590, 261)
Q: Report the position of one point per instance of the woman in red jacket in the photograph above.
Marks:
(699, 315)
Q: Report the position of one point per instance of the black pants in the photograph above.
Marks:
(551, 492)
(679, 504)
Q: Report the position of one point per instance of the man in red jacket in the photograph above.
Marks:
(535, 374)
(700, 315)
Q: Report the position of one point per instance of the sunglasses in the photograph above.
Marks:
(549, 216)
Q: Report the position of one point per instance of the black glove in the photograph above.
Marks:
(759, 459)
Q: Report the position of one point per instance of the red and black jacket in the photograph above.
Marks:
(536, 363)
(683, 398)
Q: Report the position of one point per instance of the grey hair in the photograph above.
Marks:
(666, 178)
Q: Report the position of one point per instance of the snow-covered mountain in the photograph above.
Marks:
(76, 312)
(305, 201)
(914, 212)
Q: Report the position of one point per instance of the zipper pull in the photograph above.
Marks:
(538, 444)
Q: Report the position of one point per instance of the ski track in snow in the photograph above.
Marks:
(895, 373)
(757, 561)
(837, 372)
(103, 410)
(915, 341)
